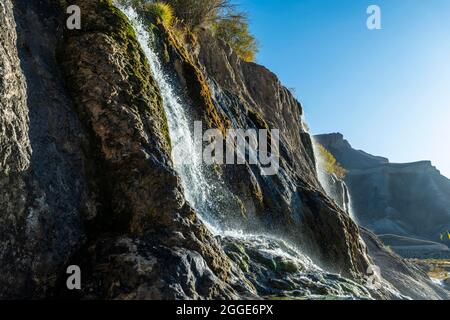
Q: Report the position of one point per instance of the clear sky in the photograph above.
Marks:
(387, 91)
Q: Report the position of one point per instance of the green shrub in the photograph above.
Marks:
(195, 13)
(234, 30)
(221, 16)
(227, 23)
(159, 10)
(329, 163)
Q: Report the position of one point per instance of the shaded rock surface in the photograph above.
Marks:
(87, 161)
(42, 172)
(120, 104)
(279, 271)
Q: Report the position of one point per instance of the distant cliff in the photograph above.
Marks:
(409, 199)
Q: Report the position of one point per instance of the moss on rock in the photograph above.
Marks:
(112, 85)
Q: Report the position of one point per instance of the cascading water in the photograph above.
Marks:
(329, 183)
(350, 209)
(205, 196)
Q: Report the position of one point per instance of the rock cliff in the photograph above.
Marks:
(88, 176)
(42, 170)
(290, 203)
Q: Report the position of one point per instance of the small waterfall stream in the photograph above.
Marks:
(204, 195)
(342, 199)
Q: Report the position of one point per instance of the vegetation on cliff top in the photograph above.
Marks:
(220, 16)
(234, 30)
(161, 10)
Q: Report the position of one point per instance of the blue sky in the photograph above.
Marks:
(387, 91)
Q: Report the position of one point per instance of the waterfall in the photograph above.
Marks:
(321, 172)
(205, 195)
(208, 197)
(351, 210)
(332, 184)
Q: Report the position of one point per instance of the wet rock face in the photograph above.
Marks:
(253, 97)
(277, 270)
(336, 189)
(117, 100)
(290, 203)
(99, 190)
(141, 198)
(225, 92)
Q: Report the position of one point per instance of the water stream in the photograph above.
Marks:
(204, 195)
(326, 181)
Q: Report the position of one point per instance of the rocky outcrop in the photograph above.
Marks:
(116, 98)
(14, 142)
(142, 200)
(277, 270)
(290, 204)
(42, 167)
(108, 186)
(98, 181)
(403, 275)
(410, 200)
(346, 155)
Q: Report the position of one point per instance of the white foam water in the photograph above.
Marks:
(199, 192)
